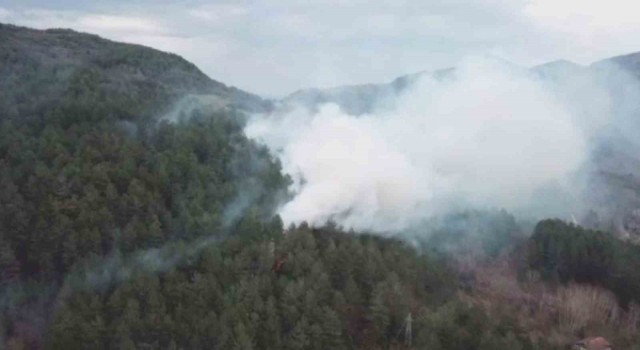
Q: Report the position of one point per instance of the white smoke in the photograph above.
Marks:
(491, 135)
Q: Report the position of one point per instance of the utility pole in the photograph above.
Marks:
(407, 330)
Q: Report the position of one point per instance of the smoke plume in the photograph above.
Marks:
(489, 135)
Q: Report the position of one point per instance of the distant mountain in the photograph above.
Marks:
(362, 99)
(558, 69)
(629, 62)
(359, 99)
(41, 69)
(365, 98)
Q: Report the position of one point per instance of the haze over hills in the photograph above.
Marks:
(39, 67)
(362, 99)
(359, 99)
(52, 70)
(61, 58)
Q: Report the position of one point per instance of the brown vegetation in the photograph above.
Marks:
(556, 315)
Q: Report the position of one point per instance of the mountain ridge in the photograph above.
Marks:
(360, 99)
(63, 55)
(67, 64)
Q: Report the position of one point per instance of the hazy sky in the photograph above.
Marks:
(276, 47)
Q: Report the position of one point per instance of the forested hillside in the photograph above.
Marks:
(60, 71)
(89, 169)
(121, 229)
(90, 188)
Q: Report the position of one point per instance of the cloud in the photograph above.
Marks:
(111, 24)
(218, 13)
(88, 22)
(4, 14)
(609, 15)
(587, 26)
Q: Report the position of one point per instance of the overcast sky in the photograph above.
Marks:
(276, 47)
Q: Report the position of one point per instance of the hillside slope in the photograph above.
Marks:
(91, 172)
(43, 69)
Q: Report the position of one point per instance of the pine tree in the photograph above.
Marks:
(352, 292)
(379, 311)
(242, 339)
(270, 327)
(299, 338)
(331, 330)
